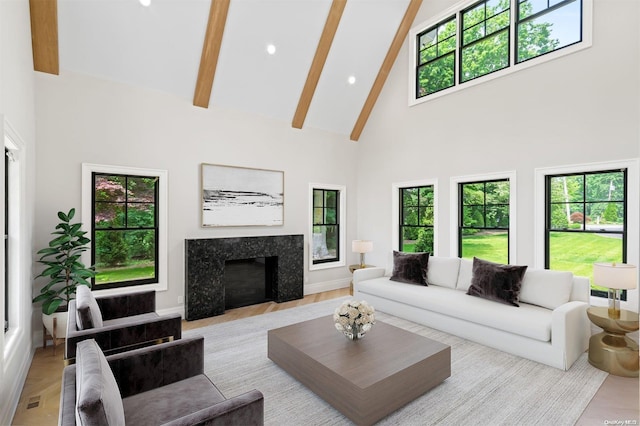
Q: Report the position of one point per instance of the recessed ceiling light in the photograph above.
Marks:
(271, 49)
(145, 3)
(351, 79)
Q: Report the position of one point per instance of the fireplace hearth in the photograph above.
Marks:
(206, 262)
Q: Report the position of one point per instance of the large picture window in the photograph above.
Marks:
(124, 230)
(416, 219)
(483, 220)
(479, 38)
(586, 222)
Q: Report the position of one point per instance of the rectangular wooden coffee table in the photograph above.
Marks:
(366, 379)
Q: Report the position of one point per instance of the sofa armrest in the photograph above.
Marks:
(367, 274)
(127, 305)
(246, 409)
(580, 289)
(113, 337)
(67, 413)
(150, 367)
(570, 330)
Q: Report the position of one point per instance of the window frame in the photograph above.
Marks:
(462, 45)
(456, 10)
(584, 202)
(633, 215)
(396, 210)
(161, 284)
(342, 231)
(127, 204)
(456, 210)
(401, 207)
(484, 205)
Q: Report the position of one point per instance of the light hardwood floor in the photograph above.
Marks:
(617, 400)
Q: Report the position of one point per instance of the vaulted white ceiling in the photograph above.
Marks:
(159, 47)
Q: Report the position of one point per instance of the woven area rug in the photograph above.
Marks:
(486, 387)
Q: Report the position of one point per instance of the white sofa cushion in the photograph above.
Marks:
(546, 288)
(443, 271)
(527, 320)
(464, 275)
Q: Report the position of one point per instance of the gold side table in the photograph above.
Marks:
(353, 268)
(611, 350)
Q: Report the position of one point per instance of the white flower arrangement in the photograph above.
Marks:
(354, 318)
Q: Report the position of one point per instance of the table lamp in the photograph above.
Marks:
(615, 276)
(362, 247)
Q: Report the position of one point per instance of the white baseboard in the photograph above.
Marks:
(326, 286)
(173, 310)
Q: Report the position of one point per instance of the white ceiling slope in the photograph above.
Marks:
(159, 47)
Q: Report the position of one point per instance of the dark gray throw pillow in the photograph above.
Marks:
(410, 267)
(496, 282)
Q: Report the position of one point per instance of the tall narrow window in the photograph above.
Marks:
(326, 225)
(485, 39)
(125, 230)
(586, 215)
(416, 219)
(483, 220)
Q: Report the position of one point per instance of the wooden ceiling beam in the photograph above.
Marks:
(44, 35)
(210, 52)
(385, 69)
(322, 51)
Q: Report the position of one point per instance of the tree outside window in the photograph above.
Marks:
(483, 229)
(480, 35)
(125, 230)
(416, 219)
(586, 222)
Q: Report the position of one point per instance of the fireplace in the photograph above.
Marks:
(206, 263)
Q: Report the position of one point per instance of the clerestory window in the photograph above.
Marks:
(494, 37)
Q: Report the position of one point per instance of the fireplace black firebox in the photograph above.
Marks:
(207, 260)
(248, 281)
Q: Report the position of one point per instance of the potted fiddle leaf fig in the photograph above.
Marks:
(64, 271)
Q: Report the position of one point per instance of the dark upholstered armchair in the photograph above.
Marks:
(162, 384)
(119, 322)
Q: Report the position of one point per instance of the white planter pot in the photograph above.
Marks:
(61, 324)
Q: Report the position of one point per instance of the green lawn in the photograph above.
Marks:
(134, 272)
(575, 252)
(492, 247)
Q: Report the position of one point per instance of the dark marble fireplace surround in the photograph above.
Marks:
(204, 268)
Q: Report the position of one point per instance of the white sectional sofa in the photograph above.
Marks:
(550, 326)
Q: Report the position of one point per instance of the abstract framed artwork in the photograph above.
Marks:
(241, 196)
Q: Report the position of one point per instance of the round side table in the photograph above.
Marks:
(611, 350)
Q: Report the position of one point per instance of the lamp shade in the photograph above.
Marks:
(361, 246)
(615, 275)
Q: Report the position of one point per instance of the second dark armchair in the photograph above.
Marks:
(118, 323)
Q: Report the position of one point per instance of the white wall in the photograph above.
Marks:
(17, 113)
(85, 119)
(581, 108)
